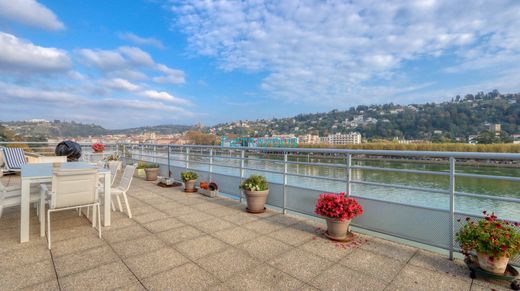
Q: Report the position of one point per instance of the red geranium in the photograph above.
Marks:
(336, 205)
(98, 147)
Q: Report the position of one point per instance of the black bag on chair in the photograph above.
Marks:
(70, 149)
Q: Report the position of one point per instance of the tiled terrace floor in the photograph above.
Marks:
(179, 241)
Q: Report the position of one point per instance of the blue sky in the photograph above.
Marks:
(131, 63)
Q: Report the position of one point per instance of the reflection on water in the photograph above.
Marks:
(421, 198)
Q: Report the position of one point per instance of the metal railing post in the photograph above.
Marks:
(187, 158)
(210, 170)
(349, 174)
(155, 154)
(285, 183)
(169, 167)
(242, 165)
(142, 152)
(452, 206)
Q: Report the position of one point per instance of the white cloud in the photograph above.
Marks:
(141, 40)
(332, 51)
(30, 12)
(165, 96)
(125, 62)
(110, 60)
(17, 55)
(171, 76)
(120, 84)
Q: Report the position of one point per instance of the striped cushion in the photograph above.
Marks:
(14, 158)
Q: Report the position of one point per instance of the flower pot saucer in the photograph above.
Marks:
(191, 191)
(255, 212)
(347, 238)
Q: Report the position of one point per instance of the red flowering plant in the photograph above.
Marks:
(98, 147)
(337, 206)
(493, 237)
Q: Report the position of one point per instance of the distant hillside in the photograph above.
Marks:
(41, 130)
(446, 121)
(160, 129)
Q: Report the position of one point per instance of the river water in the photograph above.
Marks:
(502, 188)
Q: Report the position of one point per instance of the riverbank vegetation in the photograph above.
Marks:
(436, 147)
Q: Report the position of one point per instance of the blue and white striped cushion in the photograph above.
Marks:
(14, 158)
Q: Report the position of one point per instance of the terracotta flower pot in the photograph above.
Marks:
(151, 174)
(496, 265)
(256, 200)
(336, 228)
(189, 185)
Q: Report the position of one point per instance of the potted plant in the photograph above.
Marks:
(494, 241)
(113, 158)
(189, 178)
(208, 189)
(149, 169)
(338, 210)
(256, 191)
(98, 147)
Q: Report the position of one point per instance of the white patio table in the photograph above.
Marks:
(42, 173)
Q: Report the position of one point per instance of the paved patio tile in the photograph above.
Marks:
(300, 264)
(47, 286)
(77, 262)
(214, 225)
(74, 245)
(146, 265)
(227, 263)
(163, 225)
(22, 276)
(179, 234)
(240, 218)
(104, 277)
(292, 236)
(206, 206)
(138, 246)
(389, 249)
(200, 247)
(176, 212)
(264, 277)
(221, 211)
(186, 277)
(69, 233)
(480, 284)
(235, 235)
(195, 217)
(23, 256)
(127, 233)
(326, 248)
(440, 263)
(338, 277)
(373, 264)
(142, 210)
(284, 219)
(262, 226)
(131, 287)
(149, 217)
(169, 205)
(416, 278)
(264, 247)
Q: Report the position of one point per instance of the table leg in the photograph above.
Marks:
(25, 208)
(108, 199)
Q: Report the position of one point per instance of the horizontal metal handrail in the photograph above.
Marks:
(406, 171)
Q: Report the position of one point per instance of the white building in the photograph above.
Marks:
(309, 139)
(349, 138)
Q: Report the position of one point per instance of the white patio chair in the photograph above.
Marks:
(14, 158)
(11, 196)
(114, 167)
(123, 187)
(71, 189)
